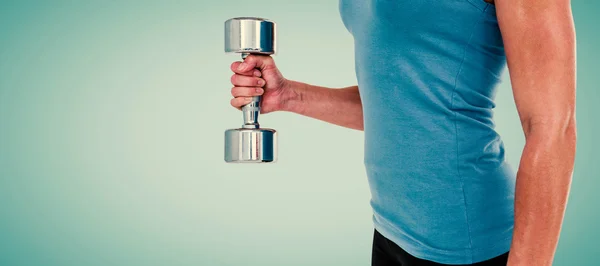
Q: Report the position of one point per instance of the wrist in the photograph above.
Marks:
(293, 96)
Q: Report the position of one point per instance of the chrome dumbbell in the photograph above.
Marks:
(250, 143)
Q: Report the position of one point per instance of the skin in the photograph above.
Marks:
(337, 106)
(539, 40)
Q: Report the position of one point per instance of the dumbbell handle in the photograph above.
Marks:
(251, 110)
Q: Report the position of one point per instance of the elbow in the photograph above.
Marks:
(552, 130)
(568, 135)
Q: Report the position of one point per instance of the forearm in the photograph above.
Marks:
(337, 106)
(542, 188)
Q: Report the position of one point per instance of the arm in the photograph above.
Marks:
(258, 75)
(539, 39)
(337, 106)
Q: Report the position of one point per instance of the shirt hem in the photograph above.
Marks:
(460, 256)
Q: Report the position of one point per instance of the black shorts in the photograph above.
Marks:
(387, 253)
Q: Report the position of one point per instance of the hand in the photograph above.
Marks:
(258, 75)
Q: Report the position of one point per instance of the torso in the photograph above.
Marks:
(427, 73)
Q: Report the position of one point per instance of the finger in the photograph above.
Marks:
(255, 61)
(246, 91)
(238, 102)
(249, 72)
(245, 81)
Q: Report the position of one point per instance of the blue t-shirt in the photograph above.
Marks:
(427, 72)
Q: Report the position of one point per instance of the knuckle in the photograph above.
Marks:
(269, 62)
(234, 65)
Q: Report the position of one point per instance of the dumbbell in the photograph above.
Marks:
(250, 143)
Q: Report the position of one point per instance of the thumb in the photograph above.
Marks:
(256, 61)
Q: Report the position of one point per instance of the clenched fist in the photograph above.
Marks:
(257, 76)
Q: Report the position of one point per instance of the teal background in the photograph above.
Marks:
(111, 140)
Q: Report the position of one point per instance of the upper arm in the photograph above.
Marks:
(539, 41)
